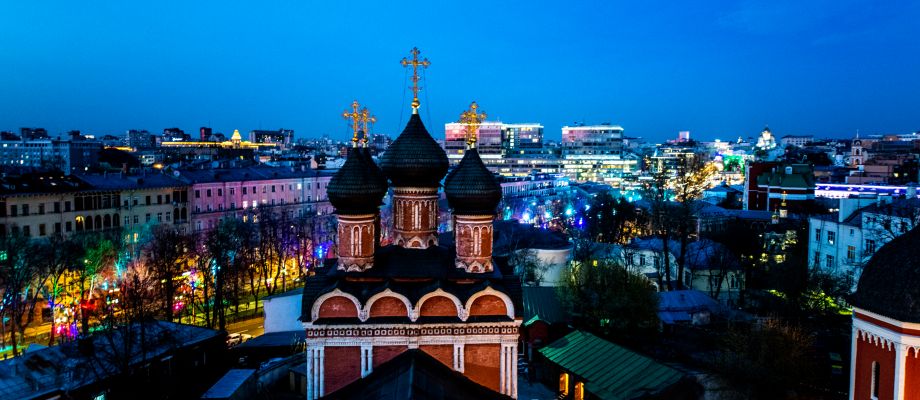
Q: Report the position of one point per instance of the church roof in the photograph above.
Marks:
(471, 188)
(415, 375)
(414, 158)
(412, 273)
(890, 281)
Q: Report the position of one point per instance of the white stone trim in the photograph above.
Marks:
(900, 364)
(366, 311)
(461, 311)
(315, 371)
(509, 306)
(367, 360)
(884, 336)
(887, 339)
(459, 359)
(314, 312)
(902, 325)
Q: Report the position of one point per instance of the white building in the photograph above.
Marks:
(843, 242)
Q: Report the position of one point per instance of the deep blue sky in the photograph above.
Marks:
(718, 69)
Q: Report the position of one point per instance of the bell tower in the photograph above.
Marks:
(415, 164)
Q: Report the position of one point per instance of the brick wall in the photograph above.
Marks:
(438, 306)
(343, 366)
(388, 307)
(481, 364)
(442, 352)
(912, 376)
(338, 306)
(488, 305)
(383, 354)
(866, 353)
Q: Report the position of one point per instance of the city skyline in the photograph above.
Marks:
(719, 71)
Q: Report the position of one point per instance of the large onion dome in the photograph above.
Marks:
(890, 281)
(471, 188)
(414, 158)
(356, 188)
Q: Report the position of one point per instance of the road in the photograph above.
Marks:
(252, 327)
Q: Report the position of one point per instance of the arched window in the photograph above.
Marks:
(107, 221)
(355, 241)
(115, 220)
(98, 222)
(876, 375)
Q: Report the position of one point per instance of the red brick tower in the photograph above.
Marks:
(415, 164)
(414, 297)
(356, 191)
(885, 360)
(473, 193)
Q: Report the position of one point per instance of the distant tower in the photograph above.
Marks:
(473, 193)
(415, 164)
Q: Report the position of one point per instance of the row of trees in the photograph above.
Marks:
(157, 271)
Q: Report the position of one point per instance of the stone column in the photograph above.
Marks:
(458, 357)
(853, 361)
(900, 361)
(315, 369)
(367, 359)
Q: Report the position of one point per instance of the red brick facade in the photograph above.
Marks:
(415, 217)
(338, 307)
(441, 352)
(912, 370)
(389, 307)
(474, 242)
(481, 364)
(438, 306)
(866, 354)
(488, 305)
(343, 366)
(357, 235)
(383, 354)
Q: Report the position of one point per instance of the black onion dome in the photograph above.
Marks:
(355, 188)
(471, 188)
(890, 281)
(414, 158)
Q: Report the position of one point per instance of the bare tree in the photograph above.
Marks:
(19, 277)
(166, 256)
(63, 256)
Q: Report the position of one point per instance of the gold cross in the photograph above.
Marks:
(355, 117)
(472, 120)
(366, 118)
(415, 63)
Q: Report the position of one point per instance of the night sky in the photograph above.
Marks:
(722, 70)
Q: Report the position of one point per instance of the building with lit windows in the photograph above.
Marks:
(522, 138)
(243, 193)
(68, 156)
(595, 153)
(41, 206)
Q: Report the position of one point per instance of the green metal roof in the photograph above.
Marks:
(541, 303)
(609, 371)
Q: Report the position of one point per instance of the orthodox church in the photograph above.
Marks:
(415, 302)
(885, 360)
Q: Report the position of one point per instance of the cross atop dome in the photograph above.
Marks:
(472, 119)
(415, 63)
(356, 117)
(366, 118)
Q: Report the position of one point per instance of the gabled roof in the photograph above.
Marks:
(608, 370)
(415, 375)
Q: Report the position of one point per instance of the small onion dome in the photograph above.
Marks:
(414, 158)
(471, 188)
(890, 281)
(355, 188)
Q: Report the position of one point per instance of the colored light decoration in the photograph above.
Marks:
(569, 211)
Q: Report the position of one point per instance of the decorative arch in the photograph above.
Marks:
(489, 291)
(460, 310)
(314, 312)
(366, 311)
